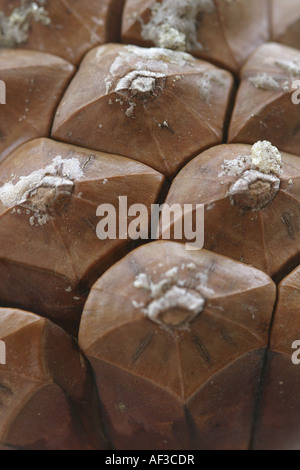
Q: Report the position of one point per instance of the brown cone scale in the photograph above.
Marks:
(56, 254)
(278, 423)
(286, 22)
(226, 33)
(70, 28)
(155, 369)
(252, 241)
(34, 83)
(150, 105)
(45, 386)
(267, 112)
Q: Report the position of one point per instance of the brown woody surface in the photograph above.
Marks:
(264, 114)
(268, 238)
(75, 26)
(47, 393)
(165, 128)
(49, 268)
(34, 82)
(169, 387)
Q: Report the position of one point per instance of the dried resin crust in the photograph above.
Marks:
(34, 84)
(249, 194)
(278, 423)
(67, 28)
(224, 32)
(156, 106)
(47, 393)
(49, 195)
(175, 338)
(265, 108)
